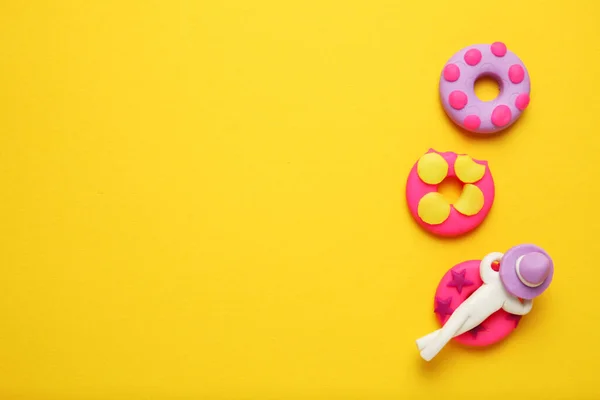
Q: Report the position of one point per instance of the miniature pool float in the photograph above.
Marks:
(431, 210)
(479, 303)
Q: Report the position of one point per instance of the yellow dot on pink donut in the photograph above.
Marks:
(467, 170)
(470, 201)
(432, 168)
(458, 99)
(433, 208)
(472, 57)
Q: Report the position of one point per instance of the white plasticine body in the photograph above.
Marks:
(490, 297)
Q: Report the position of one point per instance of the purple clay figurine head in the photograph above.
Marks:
(526, 271)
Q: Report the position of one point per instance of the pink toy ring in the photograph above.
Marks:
(431, 210)
(454, 288)
(457, 83)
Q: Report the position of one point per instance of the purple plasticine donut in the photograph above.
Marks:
(457, 84)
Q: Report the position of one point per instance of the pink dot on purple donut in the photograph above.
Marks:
(458, 99)
(467, 66)
(472, 57)
(451, 72)
(516, 73)
(498, 49)
(522, 101)
(501, 115)
(471, 122)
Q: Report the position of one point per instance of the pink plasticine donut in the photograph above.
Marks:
(431, 210)
(454, 288)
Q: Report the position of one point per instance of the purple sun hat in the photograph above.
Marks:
(526, 271)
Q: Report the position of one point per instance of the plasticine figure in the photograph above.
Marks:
(525, 272)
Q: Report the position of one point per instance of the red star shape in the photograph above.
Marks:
(476, 330)
(442, 307)
(459, 280)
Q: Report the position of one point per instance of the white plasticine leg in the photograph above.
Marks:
(448, 331)
(425, 340)
(469, 324)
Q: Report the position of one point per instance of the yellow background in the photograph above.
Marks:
(205, 199)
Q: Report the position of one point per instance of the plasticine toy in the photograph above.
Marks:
(431, 210)
(480, 303)
(457, 83)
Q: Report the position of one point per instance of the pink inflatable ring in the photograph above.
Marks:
(431, 210)
(455, 287)
(457, 84)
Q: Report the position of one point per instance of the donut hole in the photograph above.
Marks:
(451, 188)
(487, 87)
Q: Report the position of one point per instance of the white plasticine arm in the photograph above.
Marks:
(512, 305)
(485, 267)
